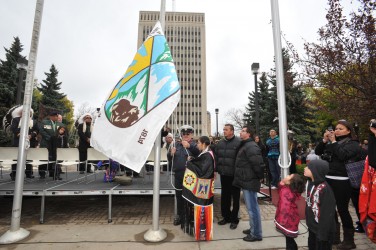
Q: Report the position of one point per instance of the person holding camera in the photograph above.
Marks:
(338, 147)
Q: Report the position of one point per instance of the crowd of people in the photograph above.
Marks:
(241, 161)
(51, 133)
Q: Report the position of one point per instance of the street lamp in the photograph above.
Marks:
(22, 66)
(216, 121)
(255, 69)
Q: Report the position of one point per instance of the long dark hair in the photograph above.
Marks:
(352, 134)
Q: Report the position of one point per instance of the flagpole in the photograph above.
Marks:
(284, 160)
(156, 234)
(16, 233)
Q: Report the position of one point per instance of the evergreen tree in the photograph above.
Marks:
(9, 75)
(298, 112)
(51, 97)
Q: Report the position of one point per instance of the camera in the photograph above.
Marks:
(330, 129)
(326, 157)
(373, 123)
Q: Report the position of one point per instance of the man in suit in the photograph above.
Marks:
(48, 129)
(84, 132)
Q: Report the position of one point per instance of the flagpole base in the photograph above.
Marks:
(155, 235)
(15, 236)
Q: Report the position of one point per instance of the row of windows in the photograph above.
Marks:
(172, 17)
(188, 63)
(191, 87)
(190, 104)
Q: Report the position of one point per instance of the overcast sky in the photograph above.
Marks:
(92, 42)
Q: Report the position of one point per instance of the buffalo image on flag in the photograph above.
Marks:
(139, 104)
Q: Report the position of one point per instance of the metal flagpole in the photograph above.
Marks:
(156, 234)
(16, 233)
(284, 160)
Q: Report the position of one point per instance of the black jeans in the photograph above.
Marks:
(178, 193)
(229, 194)
(342, 193)
(355, 200)
(290, 243)
(316, 244)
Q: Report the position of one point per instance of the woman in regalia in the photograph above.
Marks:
(198, 191)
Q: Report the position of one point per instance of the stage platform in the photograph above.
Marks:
(74, 184)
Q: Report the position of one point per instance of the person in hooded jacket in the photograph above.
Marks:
(320, 206)
(339, 147)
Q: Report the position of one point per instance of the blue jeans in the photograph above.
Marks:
(275, 171)
(253, 209)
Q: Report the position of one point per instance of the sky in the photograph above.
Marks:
(92, 42)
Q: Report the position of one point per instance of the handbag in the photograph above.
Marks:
(355, 172)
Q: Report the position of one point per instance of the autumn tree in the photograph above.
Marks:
(341, 65)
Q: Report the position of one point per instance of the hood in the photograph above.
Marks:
(319, 169)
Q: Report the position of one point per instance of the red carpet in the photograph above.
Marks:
(275, 197)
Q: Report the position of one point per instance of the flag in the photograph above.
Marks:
(139, 104)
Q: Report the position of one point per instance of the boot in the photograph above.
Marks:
(348, 239)
(337, 235)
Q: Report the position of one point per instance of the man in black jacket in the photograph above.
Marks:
(225, 152)
(249, 170)
(178, 154)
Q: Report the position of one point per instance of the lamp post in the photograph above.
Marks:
(216, 121)
(255, 69)
(22, 66)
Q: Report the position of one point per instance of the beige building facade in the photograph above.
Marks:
(185, 34)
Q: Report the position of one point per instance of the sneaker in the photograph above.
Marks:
(223, 222)
(251, 238)
(177, 222)
(274, 187)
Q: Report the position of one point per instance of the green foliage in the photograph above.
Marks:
(51, 97)
(341, 65)
(9, 74)
(297, 108)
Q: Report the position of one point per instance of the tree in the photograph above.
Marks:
(343, 63)
(297, 108)
(236, 118)
(51, 97)
(9, 75)
(265, 118)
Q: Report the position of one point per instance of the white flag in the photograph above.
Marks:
(139, 105)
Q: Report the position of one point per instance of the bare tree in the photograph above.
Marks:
(235, 117)
(85, 108)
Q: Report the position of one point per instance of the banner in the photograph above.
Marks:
(139, 105)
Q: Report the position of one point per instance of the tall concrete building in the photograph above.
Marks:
(185, 34)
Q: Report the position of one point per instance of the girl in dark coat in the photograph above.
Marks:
(198, 186)
(287, 215)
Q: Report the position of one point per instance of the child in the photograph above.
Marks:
(61, 142)
(287, 215)
(321, 204)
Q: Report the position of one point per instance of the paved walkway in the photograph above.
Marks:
(82, 222)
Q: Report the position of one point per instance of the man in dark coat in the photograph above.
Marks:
(48, 129)
(249, 170)
(33, 132)
(225, 152)
(84, 132)
(178, 155)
